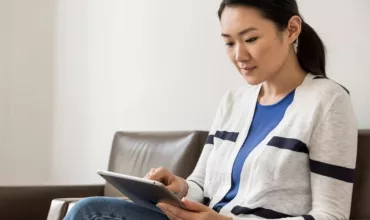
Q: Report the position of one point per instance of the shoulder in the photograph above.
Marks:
(328, 100)
(235, 100)
(325, 90)
(325, 84)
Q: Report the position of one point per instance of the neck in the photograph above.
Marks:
(288, 78)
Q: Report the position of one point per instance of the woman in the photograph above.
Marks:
(286, 144)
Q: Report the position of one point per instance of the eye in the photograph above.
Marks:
(229, 44)
(251, 40)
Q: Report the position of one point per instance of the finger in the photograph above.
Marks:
(151, 171)
(172, 217)
(177, 213)
(160, 174)
(195, 206)
(173, 188)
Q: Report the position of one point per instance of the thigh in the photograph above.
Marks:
(105, 208)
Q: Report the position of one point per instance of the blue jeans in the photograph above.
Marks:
(104, 208)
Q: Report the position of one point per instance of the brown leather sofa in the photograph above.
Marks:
(132, 153)
(135, 154)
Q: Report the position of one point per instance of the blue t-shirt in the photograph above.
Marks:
(265, 119)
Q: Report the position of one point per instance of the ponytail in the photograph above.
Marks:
(311, 51)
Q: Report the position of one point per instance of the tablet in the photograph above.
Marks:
(142, 191)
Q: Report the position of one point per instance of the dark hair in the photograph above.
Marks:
(310, 51)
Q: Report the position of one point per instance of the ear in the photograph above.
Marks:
(294, 28)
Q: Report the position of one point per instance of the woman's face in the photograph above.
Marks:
(254, 45)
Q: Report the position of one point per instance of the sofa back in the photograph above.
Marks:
(135, 153)
(361, 191)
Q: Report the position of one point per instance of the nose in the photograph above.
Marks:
(241, 53)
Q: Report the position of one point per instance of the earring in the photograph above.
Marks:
(296, 46)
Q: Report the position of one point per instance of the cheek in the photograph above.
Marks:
(264, 52)
(271, 56)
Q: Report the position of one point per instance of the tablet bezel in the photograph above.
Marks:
(167, 194)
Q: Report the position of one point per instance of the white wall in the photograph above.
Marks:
(26, 81)
(5, 47)
(72, 140)
(344, 27)
(137, 65)
(123, 66)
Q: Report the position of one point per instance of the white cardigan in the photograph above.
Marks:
(303, 169)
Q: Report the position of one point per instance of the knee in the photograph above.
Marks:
(85, 208)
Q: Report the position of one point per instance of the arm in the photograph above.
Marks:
(332, 154)
(196, 180)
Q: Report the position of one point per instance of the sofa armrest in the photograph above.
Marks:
(61, 206)
(33, 202)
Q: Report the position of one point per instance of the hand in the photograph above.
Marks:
(173, 183)
(194, 211)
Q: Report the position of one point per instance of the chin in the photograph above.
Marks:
(252, 80)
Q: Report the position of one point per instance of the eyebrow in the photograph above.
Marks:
(245, 31)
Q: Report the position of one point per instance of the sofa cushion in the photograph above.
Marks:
(136, 153)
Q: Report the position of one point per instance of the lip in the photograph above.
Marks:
(248, 69)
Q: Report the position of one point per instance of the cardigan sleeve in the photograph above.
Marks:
(332, 155)
(196, 180)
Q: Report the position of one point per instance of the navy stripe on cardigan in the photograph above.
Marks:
(333, 171)
(289, 144)
(261, 212)
(223, 135)
(264, 213)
